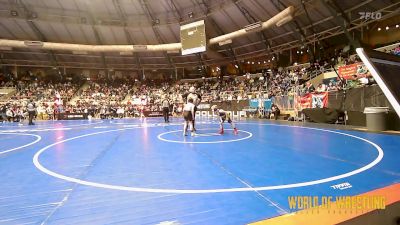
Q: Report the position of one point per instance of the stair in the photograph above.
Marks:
(74, 98)
(6, 93)
(126, 99)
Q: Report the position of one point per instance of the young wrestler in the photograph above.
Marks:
(222, 117)
(188, 115)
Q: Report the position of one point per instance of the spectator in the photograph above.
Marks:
(309, 87)
(321, 88)
(31, 108)
(275, 111)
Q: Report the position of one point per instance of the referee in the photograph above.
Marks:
(196, 101)
(31, 107)
(165, 106)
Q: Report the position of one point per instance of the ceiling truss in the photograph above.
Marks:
(304, 33)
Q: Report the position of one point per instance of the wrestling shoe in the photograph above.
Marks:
(193, 133)
(221, 131)
(235, 131)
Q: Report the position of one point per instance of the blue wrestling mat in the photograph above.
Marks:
(146, 172)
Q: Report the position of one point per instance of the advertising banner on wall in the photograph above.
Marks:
(233, 107)
(154, 113)
(353, 71)
(313, 100)
(72, 116)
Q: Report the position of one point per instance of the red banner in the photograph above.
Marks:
(304, 102)
(353, 71)
(313, 100)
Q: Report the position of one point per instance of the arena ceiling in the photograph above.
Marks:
(110, 22)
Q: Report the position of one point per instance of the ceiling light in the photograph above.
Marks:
(126, 53)
(190, 14)
(397, 26)
(79, 52)
(14, 13)
(284, 20)
(387, 28)
(5, 48)
(229, 41)
(379, 29)
(33, 44)
(253, 26)
(173, 51)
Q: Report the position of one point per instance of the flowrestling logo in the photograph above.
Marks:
(370, 15)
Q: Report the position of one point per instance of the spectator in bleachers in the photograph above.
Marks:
(321, 88)
(309, 87)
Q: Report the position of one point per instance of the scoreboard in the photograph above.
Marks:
(193, 37)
